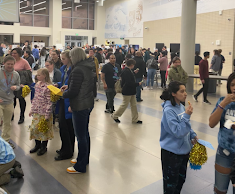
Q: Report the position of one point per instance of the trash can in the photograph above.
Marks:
(212, 84)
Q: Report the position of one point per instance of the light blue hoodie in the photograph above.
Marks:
(176, 132)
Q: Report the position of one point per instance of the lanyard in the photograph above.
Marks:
(7, 79)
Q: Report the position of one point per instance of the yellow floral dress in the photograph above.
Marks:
(41, 109)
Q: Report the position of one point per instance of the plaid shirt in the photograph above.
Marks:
(6, 152)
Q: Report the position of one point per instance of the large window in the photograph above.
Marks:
(78, 15)
(34, 13)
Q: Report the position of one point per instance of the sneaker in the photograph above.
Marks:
(151, 88)
(141, 100)
(146, 88)
(207, 102)
(96, 99)
(17, 172)
(195, 98)
(73, 161)
(16, 164)
(139, 122)
(107, 111)
(116, 120)
(71, 170)
(21, 120)
(12, 145)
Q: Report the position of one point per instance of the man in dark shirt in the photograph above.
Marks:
(222, 63)
(98, 55)
(1, 53)
(204, 76)
(196, 67)
(28, 57)
(109, 75)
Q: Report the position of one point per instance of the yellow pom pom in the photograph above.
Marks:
(43, 125)
(198, 155)
(54, 97)
(25, 91)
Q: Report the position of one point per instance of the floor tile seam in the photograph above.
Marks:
(204, 188)
(140, 105)
(100, 129)
(136, 147)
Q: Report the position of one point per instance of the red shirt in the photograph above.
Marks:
(203, 69)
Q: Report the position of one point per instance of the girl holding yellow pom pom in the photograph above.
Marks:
(176, 137)
(41, 110)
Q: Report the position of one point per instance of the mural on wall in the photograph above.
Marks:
(116, 21)
(124, 20)
(135, 26)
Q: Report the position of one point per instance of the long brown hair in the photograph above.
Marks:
(45, 72)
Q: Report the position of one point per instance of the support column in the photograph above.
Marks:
(188, 36)
(55, 21)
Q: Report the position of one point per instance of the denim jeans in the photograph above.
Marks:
(138, 89)
(150, 77)
(81, 125)
(222, 180)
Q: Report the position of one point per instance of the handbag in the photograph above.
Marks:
(118, 87)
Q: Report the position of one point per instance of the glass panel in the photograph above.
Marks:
(73, 37)
(41, 21)
(80, 10)
(80, 23)
(66, 23)
(67, 37)
(41, 7)
(66, 8)
(91, 24)
(26, 20)
(91, 11)
(84, 0)
(24, 8)
(91, 1)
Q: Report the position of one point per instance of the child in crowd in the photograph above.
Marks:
(176, 136)
(9, 82)
(41, 109)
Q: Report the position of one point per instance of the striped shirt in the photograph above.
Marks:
(6, 152)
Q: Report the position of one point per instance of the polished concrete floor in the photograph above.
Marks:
(125, 157)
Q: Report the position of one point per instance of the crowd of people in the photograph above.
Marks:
(76, 72)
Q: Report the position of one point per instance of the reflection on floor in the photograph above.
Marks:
(125, 157)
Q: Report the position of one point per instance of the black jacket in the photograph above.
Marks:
(140, 64)
(119, 58)
(99, 57)
(80, 86)
(30, 60)
(57, 76)
(128, 82)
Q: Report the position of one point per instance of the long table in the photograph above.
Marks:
(212, 81)
(210, 76)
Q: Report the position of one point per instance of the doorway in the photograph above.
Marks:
(76, 41)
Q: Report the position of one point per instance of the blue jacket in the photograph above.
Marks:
(6, 152)
(68, 115)
(176, 132)
(35, 53)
